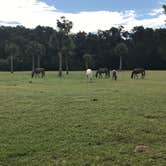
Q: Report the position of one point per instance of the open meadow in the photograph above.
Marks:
(69, 121)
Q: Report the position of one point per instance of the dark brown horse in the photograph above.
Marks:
(138, 71)
(101, 71)
(37, 72)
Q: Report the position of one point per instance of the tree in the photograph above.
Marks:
(35, 49)
(56, 42)
(40, 50)
(65, 26)
(164, 7)
(68, 51)
(88, 59)
(12, 50)
(121, 50)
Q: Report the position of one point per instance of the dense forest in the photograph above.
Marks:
(23, 49)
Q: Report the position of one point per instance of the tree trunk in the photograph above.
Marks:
(38, 61)
(67, 65)
(120, 63)
(86, 65)
(11, 64)
(60, 64)
(33, 63)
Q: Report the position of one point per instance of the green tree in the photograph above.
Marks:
(88, 59)
(35, 50)
(12, 50)
(68, 51)
(56, 42)
(164, 7)
(121, 50)
(60, 41)
(40, 50)
(65, 26)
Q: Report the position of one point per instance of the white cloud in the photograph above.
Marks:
(161, 2)
(156, 12)
(31, 13)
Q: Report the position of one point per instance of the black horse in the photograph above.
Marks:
(101, 71)
(37, 72)
(138, 71)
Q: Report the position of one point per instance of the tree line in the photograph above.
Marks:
(24, 49)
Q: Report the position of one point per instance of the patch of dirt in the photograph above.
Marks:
(142, 149)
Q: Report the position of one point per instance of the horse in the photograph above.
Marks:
(114, 75)
(101, 71)
(89, 74)
(138, 71)
(37, 71)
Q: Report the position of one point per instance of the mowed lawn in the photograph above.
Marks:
(68, 121)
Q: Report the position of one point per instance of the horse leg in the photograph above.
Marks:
(100, 75)
(32, 74)
(43, 73)
(142, 75)
(136, 76)
(96, 74)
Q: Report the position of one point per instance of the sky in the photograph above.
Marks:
(86, 15)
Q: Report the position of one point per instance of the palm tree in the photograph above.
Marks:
(12, 50)
(121, 50)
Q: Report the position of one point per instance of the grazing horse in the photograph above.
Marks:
(89, 74)
(114, 75)
(101, 71)
(138, 71)
(38, 71)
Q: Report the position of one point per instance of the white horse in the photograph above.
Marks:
(89, 74)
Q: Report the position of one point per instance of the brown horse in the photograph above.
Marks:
(138, 71)
(37, 72)
(101, 71)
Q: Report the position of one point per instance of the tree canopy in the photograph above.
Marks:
(146, 47)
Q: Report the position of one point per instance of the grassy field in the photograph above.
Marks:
(68, 121)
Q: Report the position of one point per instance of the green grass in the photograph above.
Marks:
(68, 121)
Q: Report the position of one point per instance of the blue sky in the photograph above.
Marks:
(86, 15)
(112, 5)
